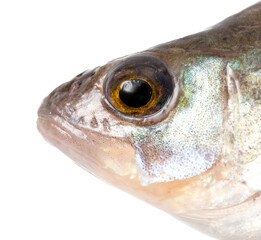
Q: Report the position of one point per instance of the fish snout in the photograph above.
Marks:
(58, 117)
(61, 101)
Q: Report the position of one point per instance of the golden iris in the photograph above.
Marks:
(134, 96)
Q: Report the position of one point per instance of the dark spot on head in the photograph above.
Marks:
(94, 122)
(224, 39)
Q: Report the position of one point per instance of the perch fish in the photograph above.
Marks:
(177, 125)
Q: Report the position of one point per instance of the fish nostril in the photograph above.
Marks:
(75, 86)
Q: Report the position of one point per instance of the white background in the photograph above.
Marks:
(44, 195)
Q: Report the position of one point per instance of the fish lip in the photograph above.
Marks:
(46, 126)
(52, 124)
(46, 115)
(62, 138)
(48, 120)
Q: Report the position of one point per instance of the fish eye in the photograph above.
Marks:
(138, 87)
(135, 93)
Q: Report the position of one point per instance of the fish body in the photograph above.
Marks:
(177, 125)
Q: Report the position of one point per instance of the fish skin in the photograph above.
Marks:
(217, 74)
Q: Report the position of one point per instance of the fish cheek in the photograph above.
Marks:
(111, 159)
(118, 157)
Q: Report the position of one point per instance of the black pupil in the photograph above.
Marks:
(135, 93)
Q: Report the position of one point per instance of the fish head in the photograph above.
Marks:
(166, 142)
(177, 125)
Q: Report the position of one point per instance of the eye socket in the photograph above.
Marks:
(139, 86)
